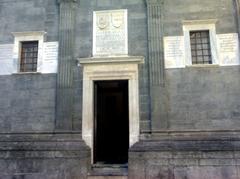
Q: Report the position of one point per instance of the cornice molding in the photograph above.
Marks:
(67, 1)
(111, 60)
(29, 33)
(197, 22)
(154, 2)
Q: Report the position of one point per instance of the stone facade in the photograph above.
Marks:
(189, 116)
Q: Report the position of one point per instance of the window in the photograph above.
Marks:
(200, 42)
(29, 56)
(28, 51)
(200, 47)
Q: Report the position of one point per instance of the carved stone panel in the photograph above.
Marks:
(174, 52)
(6, 59)
(228, 49)
(50, 57)
(110, 37)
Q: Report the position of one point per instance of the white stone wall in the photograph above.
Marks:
(9, 61)
(226, 49)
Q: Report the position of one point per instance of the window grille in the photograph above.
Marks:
(29, 56)
(200, 47)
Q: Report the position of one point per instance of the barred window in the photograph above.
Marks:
(200, 47)
(29, 56)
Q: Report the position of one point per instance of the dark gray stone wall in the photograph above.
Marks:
(184, 165)
(201, 155)
(43, 155)
(137, 43)
(27, 103)
(137, 25)
(43, 16)
(204, 98)
(28, 15)
(175, 11)
(197, 98)
(35, 15)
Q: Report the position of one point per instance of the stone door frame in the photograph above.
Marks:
(100, 69)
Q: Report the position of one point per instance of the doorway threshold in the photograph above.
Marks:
(101, 169)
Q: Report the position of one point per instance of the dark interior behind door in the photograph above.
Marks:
(111, 133)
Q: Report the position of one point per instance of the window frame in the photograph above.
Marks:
(195, 47)
(20, 37)
(23, 64)
(200, 25)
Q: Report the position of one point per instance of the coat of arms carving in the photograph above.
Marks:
(117, 19)
(102, 21)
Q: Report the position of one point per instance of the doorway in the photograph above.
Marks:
(111, 122)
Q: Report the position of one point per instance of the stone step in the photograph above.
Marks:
(108, 172)
(107, 177)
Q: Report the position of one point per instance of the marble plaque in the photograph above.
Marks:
(110, 37)
(50, 57)
(50, 51)
(228, 49)
(6, 59)
(6, 67)
(174, 52)
(6, 52)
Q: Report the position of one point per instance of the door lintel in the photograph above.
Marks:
(110, 68)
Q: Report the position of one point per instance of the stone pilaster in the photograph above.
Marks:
(155, 40)
(65, 93)
(238, 14)
(158, 94)
(236, 6)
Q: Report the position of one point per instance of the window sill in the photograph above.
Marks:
(203, 66)
(27, 73)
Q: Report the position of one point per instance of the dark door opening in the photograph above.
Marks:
(111, 125)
